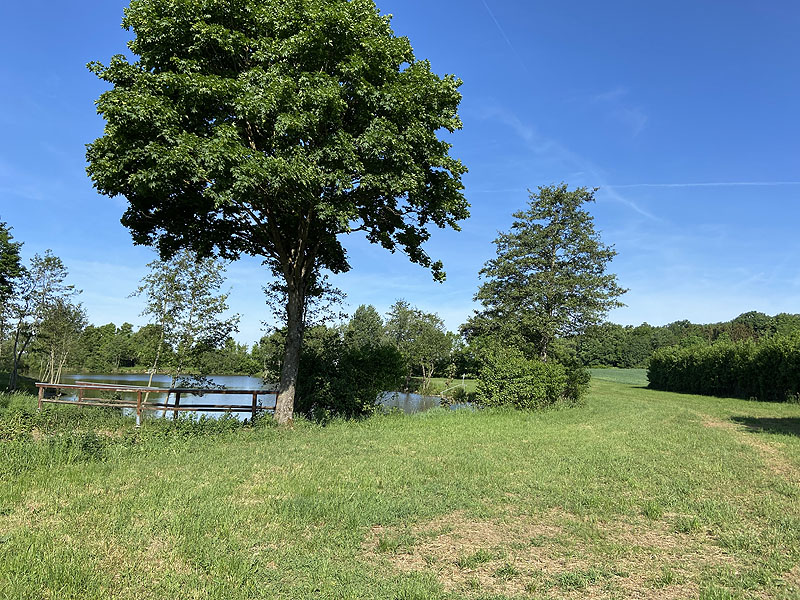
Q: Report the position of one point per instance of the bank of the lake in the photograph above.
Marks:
(408, 402)
(636, 494)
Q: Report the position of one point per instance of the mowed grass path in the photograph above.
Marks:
(637, 494)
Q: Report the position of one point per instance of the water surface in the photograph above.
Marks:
(408, 403)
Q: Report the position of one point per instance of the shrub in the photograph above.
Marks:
(342, 379)
(767, 370)
(508, 378)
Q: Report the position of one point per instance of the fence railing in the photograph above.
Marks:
(143, 403)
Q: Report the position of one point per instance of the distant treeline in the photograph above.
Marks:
(111, 348)
(427, 347)
(631, 347)
(423, 346)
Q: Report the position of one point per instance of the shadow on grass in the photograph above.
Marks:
(784, 425)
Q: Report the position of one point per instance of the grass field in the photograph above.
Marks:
(627, 376)
(637, 494)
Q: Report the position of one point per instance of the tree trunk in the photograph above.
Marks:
(284, 409)
(155, 363)
(18, 352)
(62, 363)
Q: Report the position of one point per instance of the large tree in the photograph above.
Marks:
(272, 128)
(549, 278)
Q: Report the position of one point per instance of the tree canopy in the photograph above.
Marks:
(272, 128)
(549, 278)
(10, 262)
(420, 337)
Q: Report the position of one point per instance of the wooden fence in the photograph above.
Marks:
(142, 402)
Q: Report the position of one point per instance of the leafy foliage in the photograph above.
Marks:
(549, 279)
(58, 337)
(41, 287)
(344, 377)
(365, 328)
(628, 347)
(184, 300)
(420, 337)
(768, 370)
(273, 128)
(10, 262)
(508, 378)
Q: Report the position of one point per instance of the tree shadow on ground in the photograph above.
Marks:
(784, 425)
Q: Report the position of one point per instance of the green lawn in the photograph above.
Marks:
(628, 376)
(637, 494)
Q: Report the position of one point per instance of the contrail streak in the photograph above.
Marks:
(503, 33)
(709, 184)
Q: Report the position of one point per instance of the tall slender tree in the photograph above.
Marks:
(10, 271)
(273, 128)
(549, 278)
(40, 288)
(185, 300)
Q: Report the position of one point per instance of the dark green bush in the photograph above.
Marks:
(508, 378)
(338, 378)
(767, 370)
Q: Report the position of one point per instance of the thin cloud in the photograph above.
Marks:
(617, 197)
(629, 115)
(553, 150)
(709, 184)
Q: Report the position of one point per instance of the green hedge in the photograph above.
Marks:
(768, 370)
(507, 378)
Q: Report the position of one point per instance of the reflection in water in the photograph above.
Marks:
(408, 403)
(231, 382)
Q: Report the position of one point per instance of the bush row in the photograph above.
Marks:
(508, 378)
(768, 370)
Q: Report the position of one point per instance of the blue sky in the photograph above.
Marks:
(685, 114)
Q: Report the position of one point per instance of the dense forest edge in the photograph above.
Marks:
(112, 348)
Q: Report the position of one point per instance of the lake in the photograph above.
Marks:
(408, 403)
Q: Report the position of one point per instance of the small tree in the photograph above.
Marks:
(420, 337)
(365, 329)
(40, 288)
(549, 279)
(58, 336)
(183, 297)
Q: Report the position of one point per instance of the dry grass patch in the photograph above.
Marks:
(552, 553)
(772, 455)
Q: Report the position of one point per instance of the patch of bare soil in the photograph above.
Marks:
(553, 554)
(792, 579)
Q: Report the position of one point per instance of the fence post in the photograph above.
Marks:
(177, 404)
(255, 402)
(41, 397)
(139, 408)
